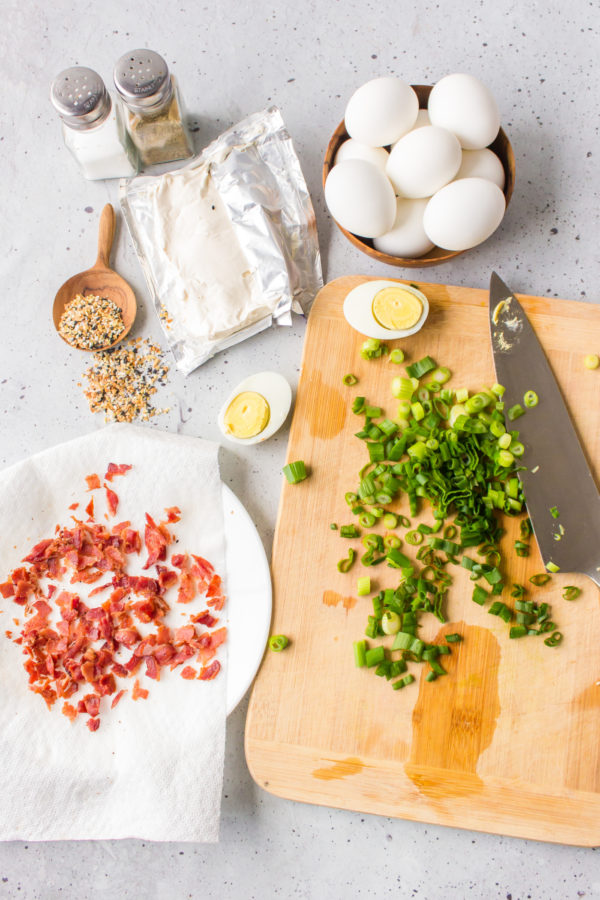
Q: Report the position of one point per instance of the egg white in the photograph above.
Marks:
(278, 394)
(358, 310)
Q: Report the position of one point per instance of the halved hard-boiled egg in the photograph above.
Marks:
(256, 408)
(386, 309)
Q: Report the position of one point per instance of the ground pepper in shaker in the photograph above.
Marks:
(154, 114)
(93, 126)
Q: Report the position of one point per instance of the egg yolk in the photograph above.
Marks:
(247, 415)
(396, 308)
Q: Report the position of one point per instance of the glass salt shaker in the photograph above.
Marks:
(153, 109)
(93, 125)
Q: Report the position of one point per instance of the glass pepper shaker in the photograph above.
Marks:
(154, 114)
(93, 126)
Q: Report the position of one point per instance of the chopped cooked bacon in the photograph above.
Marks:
(112, 500)
(156, 540)
(138, 693)
(73, 505)
(117, 697)
(205, 618)
(69, 711)
(187, 588)
(207, 673)
(188, 672)
(173, 514)
(70, 644)
(93, 482)
(113, 470)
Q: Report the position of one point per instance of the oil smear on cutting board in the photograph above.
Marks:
(454, 718)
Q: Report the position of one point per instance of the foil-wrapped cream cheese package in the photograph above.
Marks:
(228, 243)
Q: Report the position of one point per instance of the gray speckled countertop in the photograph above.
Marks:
(232, 58)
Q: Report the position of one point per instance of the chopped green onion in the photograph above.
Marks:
(349, 531)
(367, 520)
(390, 622)
(421, 367)
(278, 642)
(374, 656)
(358, 405)
(397, 356)
(345, 564)
(515, 412)
(517, 631)
(480, 595)
(518, 590)
(373, 349)
(453, 638)
(540, 580)
(530, 399)
(554, 639)
(505, 458)
(521, 549)
(350, 379)
(554, 512)
(363, 586)
(295, 472)
(333, 526)
(360, 653)
(526, 529)
(414, 538)
(390, 520)
(571, 592)
(552, 567)
(403, 682)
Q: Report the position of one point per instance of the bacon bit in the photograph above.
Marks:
(167, 578)
(173, 514)
(205, 618)
(152, 669)
(138, 693)
(117, 697)
(89, 510)
(188, 673)
(185, 634)
(113, 470)
(179, 560)
(207, 673)
(7, 589)
(8, 634)
(156, 540)
(73, 505)
(202, 569)
(112, 500)
(93, 724)
(187, 588)
(93, 482)
(69, 711)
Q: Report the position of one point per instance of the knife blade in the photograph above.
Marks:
(557, 475)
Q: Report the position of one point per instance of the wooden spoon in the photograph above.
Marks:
(100, 280)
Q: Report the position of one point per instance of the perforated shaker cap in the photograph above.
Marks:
(142, 79)
(80, 97)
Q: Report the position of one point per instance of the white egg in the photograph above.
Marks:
(275, 390)
(481, 164)
(358, 309)
(423, 161)
(352, 149)
(464, 213)
(360, 198)
(407, 237)
(381, 111)
(466, 107)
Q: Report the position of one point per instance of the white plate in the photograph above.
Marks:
(249, 598)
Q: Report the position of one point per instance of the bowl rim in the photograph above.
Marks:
(501, 146)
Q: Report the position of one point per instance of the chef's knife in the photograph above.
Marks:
(557, 476)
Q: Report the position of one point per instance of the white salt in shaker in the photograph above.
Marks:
(93, 126)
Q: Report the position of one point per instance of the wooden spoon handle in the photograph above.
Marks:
(106, 233)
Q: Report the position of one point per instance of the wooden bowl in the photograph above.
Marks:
(501, 147)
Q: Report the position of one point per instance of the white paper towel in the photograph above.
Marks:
(154, 768)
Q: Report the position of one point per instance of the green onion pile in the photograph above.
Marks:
(453, 450)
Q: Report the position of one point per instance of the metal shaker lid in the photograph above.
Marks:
(142, 79)
(80, 97)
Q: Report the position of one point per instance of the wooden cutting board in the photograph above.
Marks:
(509, 741)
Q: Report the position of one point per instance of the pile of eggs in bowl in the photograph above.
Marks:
(412, 178)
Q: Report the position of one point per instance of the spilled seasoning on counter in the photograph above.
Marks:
(122, 381)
